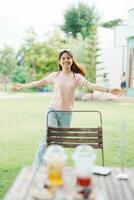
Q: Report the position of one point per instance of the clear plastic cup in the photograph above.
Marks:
(55, 158)
(84, 158)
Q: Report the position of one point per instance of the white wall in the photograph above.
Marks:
(112, 57)
(130, 27)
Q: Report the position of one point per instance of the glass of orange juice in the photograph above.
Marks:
(55, 161)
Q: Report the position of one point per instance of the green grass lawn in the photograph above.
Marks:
(22, 123)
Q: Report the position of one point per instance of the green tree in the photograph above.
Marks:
(7, 64)
(79, 19)
(39, 57)
(57, 39)
(112, 23)
(92, 53)
(19, 75)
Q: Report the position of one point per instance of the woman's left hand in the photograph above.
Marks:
(116, 91)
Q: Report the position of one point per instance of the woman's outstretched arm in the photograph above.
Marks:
(19, 86)
(115, 91)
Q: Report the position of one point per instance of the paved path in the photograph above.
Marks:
(19, 95)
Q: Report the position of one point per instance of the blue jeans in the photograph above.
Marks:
(55, 119)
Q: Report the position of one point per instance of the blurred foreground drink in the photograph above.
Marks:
(84, 157)
(55, 161)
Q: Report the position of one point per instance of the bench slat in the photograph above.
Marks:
(72, 140)
(74, 129)
(74, 134)
(73, 145)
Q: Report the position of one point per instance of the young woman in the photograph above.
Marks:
(65, 81)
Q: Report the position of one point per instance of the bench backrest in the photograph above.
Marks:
(72, 137)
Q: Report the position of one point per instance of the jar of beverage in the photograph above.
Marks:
(84, 157)
(54, 158)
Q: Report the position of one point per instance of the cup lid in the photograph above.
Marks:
(84, 151)
(54, 151)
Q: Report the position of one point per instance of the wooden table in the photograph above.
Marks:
(109, 185)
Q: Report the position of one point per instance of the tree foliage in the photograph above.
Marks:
(19, 75)
(7, 60)
(112, 23)
(7, 64)
(57, 39)
(79, 19)
(92, 53)
(39, 57)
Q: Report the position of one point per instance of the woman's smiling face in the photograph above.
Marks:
(66, 62)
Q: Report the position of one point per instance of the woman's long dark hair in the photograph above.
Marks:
(74, 67)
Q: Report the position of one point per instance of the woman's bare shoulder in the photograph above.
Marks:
(51, 73)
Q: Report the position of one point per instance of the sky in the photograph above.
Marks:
(17, 16)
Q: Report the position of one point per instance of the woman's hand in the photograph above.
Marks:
(17, 87)
(116, 91)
